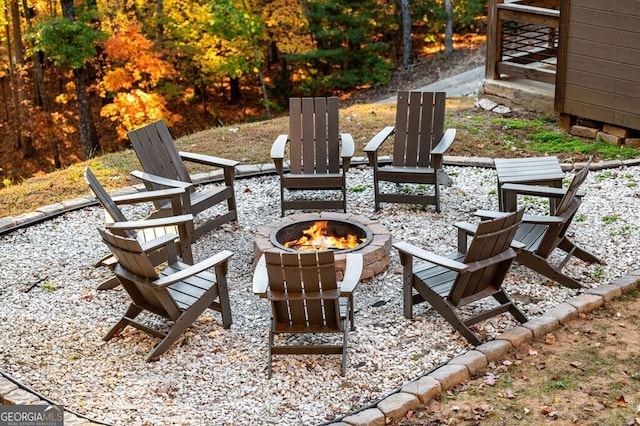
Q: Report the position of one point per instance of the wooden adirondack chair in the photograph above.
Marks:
(541, 235)
(419, 145)
(306, 298)
(453, 281)
(179, 293)
(316, 148)
(164, 167)
(147, 231)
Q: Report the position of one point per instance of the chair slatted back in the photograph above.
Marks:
(113, 212)
(419, 127)
(566, 209)
(489, 256)
(303, 289)
(157, 152)
(136, 271)
(314, 135)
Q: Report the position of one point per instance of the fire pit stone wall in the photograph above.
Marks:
(375, 254)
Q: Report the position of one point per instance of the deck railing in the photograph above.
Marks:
(522, 39)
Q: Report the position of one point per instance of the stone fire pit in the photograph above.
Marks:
(375, 252)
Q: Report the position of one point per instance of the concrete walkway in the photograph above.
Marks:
(466, 84)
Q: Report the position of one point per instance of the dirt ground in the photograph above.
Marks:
(585, 373)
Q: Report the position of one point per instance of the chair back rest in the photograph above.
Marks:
(112, 211)
(573, 188)
(303, 290)
(489, 257)
(129, 254)
(419, 127)
(157, 152)
(314, 135)
(565, 209)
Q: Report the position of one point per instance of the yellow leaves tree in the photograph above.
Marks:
(133, 79)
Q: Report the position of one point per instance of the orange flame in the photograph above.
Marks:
(315, 238)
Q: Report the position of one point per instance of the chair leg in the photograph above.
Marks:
(448, 313)
(269, 354)
(503, 299)
(343, 371)
(131, 313)
(109, 284)
(570, 247)
(223, 296)
(541, 266)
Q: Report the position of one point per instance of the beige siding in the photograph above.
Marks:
(601, 79)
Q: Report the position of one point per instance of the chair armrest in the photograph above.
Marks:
(192, 270)
(517, 245)
(277, 149)
(445, 142)
(150, 223)
(157, 243)
(352, 274)
(158, 180)
(465, 230)
(378, 139)
(260, 278)
(348, 146)
(414, 251)
(490, 214)
(466, 227)
(527, 218)
(538, 190)
(141, 197)
(208, 160)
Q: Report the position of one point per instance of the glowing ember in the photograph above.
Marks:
(315, 238)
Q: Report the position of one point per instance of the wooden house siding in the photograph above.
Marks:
(599, 61)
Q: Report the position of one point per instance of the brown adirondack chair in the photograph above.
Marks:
(420, 142)
(164, 167)
(316, 148)
(542, 235)
(180, 293)
(147, 231)
(457, 279)
(306, 298)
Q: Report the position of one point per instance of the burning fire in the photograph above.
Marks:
(315, 238)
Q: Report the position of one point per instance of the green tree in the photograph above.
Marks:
(350, 50)
(72, 42)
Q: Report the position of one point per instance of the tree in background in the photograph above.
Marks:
(196, 63)
(71, 43)
(349, 50)
(133, 76)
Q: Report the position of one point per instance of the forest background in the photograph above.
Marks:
(75, 76)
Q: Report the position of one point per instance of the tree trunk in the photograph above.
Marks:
(88, 137)
(24, 135)
(407, 48)
(234, 90)
(448, 29)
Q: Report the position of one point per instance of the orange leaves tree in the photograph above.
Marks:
(134, 78)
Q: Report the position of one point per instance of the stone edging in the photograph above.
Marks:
(9, 223)
(461, 368)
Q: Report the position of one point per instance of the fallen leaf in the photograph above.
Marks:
(550, 339)
(620, 402)
(490, 379)
(545, 410)
(576, 364)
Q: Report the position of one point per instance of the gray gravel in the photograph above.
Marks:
(53, 318)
